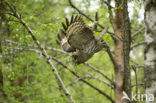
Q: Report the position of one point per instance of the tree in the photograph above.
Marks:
(28, 52)
(150, 50)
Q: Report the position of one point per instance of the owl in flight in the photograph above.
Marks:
(78, 38)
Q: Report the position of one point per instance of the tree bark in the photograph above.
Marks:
(121, 26)
(127, 45)
(150, 50)
(118, 51)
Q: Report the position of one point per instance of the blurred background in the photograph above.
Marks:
(26, 74)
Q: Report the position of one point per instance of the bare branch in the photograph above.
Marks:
(110, 11)
(100, 72)
(91, 77)
(44, 53)
(137, 66)
(137, 32)
(110, 54)
(138, 44)
(139, 84)
(136, 80)
(33, 46)
(102, 33)
(107, 3)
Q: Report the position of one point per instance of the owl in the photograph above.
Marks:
(78, 38)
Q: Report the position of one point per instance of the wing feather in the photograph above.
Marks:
(75, 34)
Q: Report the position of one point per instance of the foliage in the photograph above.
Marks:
(28, 78)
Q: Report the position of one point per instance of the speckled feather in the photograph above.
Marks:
(78, 38)
(77, 32)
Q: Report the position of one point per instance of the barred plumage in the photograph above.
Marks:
(78, 38)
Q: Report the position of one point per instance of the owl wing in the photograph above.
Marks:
(76, 33)
(63, 42)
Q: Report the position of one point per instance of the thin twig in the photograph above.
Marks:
(100, 72)
(110, 54)
(33, 46)
(137, 32)
(139, 84)
(136, 80)
(110, 12)
(136, 65)
(107, 3)
(91, 77)
(138, 44)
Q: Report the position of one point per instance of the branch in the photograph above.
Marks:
(138, 44)
(110, 11)
(139, 84)
(91, 77)
(44, 53)
(136, 65)
(110, 54)
(33, 46)
(136, 80)
(137, 32)
(100, 72)
(107, 3)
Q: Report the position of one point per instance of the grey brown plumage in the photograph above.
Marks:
(78, 38)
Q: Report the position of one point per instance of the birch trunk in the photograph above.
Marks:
(150, 50)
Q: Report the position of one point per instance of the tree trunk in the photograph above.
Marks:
(121, 27)
(150, 50)
(127, 43)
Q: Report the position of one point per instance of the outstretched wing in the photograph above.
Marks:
(77, 32)
(63, 42)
